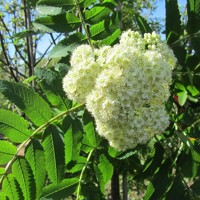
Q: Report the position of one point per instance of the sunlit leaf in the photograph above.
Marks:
(61, 190)
(73, 137)
(11, 188)
(104, 28)
(13, 126)
(34, 154)
(63, 23)
(67, 45)
(24, 176)
(182, 97)
(7, 151)
(89, 128)
(27, 100)
(53, 145)
(104, 171)
(96, 14)
(51, 84)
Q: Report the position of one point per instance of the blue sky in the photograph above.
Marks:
(160, 11)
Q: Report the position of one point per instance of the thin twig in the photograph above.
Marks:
(6, 58)
(15, 46)
(84, 24)
(46, 51)
(82, 172)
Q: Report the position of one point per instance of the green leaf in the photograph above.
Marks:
(110, 40)
(104, 172)
(54, 153)
(67, 45)
(7, 151)
(63, 23)
(24, 175)
(13, 126)
(86, 3)
(160, 183)
(89, 128)
(96, 14)
(180, 86)
(173, 21)
(51, 7)
(24, 34)
(3, 196)
(177, 190)
(125, 155)
(73, 137)
(62, 190)
(2, 171)
(143, 24)
(193, 23)
(51, 84)
(77, 165)
(27, 100)
(196, 187)
(149, 192)
(193, 90)
(104, 28)
(34, 154)
(154, 162)
(182, 97)
(113, 152)
(89, 189)
(186, 163)
(11, 188)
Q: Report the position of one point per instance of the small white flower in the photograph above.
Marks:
(125, 87)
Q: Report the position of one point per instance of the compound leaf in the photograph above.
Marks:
(37, 110)
(13, 126)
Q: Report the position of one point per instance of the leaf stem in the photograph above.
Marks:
(34, 133)
(83, 24)
(81, 175)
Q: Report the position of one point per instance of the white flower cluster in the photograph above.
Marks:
(125, 87)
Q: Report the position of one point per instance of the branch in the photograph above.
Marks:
(43, 54)
(15, 46)
(6, 57)
(54, 42)
(11, 68)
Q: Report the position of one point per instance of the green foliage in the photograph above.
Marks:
(61, 154)
(173, 27)
(11, 188)
(14, 127)
(64, 189)
(7, 151)
(24, 176)
(58, 23)
(143, 24)
(27, 100)
(34, 155)
(72, 138)
(51, 84)
(54, 153)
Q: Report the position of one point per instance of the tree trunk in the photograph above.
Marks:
(124, 187)
(115, 194)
